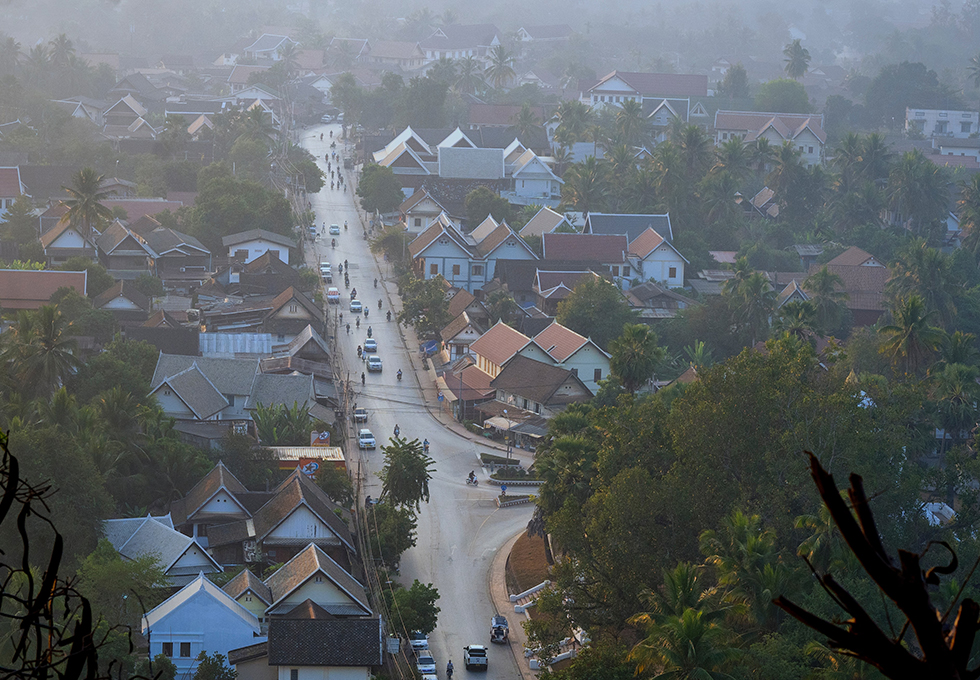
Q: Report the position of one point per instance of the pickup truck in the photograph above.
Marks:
(475, 656)
(360, 415)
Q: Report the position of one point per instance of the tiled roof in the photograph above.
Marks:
(10, 186)
(255, 234)
(788, 125)
(865, 286)
(270, 388)
(853, 257)
(420, 195)
(459, 36)
(498, 236)
(548, 31)
(476, 384)
(468, 163)
(26, 289)
(544, 221)
(300, 642)
(606, 248)
(661, 84)
(296, 489)
(630, 225)
(240, 73)
(500, 114)
(135, 208)
(303, 566)
(122, 288)
(455, 327)
(645, 243)
(267, 43)
(291, 294)
(533, 380)
(154, 538)
(164, 240)
(484, 229)
(218, 478)
(499, 343)
(396, 49)
(546, 282)
(196, 391)
(559, 342)
(230, 376)
(199, 585)
(460, 301)
(245, 581)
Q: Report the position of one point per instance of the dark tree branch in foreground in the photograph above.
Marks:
(945, 650)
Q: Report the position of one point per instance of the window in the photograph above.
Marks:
(168, 649)
(477, 270)
(231, 399)
(185, 649)
(672, 273)
(418, 221)
(293, 308)
(597, 375)
(626, 271)
(801, 148)
(202, 529)
(525, 404)
(809, 149)
(615, 271)
(537, 407)
(433, 269)
(965, 127)
(293, 674)
(574, 372)
(455, 270)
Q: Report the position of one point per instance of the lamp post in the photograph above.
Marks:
(507, 436)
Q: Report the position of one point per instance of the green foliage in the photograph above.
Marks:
(379, 189)
(898, 86)
(99, 279)
(635, 356)
(309, 279)
(83, 318)
(604, 658)
(595, 309)
(392, 531)
(414, 608)
(406, 473)
(281, 425)
(482, 202)
(336, 484)
(213, 668)
(124, 363)
(115, 587)
(20, 224)
(252, 465)
(735, 84)
(783, 95)
(424, 305)
(149, 285)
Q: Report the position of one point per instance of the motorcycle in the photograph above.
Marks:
(369, 332)
(379, 304)
(399, 374)
(472, 481)
(359, 350)
(333, 243)
(366, 312)
(389, 316)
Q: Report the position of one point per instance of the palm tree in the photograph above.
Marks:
(40, 352)
(344, 55)
(911, 338)
(687, 647)
(959, 348)
(631, 125)
(574, 118)
(563, 158)
(685, 587)
(667, 165)
(448, 17)
(797, 318)
(732, 157)
(257, 126)
(585, 186)
(36, 65)
(406, 473)
(758, 302)
(288, 53)
(635, 355)
(762, 153)
(797, 59)
(847, 160)
(85, 208)
(876, 157)
(787, 169)
(826, 292)
(918, 191)
(696, 149)
(62, 49)
(928, 273)
(567, 469)
(699, 356)
(969, 212)
(500, 70)
(9, 55)
(469, 75)
(973, 68)
(956, 393)
(718, 190)
(525, 122)
(824, 544)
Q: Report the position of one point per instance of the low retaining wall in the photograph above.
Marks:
(514, 482)
(518, 500)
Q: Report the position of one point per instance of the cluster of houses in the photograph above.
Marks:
(311, 615)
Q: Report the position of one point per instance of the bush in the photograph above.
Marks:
(516, 474)
(491, 459)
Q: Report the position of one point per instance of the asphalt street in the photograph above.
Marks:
(460, 529)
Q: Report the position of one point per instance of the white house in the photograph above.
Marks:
(419, 211)
(457, 41)
(249, 245)
(200, 617)
(466, 260)
(180, 557)
(564, 348)
(533, 179)
(804, 131)
(951, 146)
(654, 258)
(618, 87)
(11, 188)
(545, 221)
(65, 241)
(942, 123)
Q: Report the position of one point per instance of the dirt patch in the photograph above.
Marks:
(527, 564)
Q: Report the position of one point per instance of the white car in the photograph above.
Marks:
(356, 306)
(333, 296)
(374, 364)
(335, 230)
(370, 345)
(365, 440)
(418, 640)
(425, 663)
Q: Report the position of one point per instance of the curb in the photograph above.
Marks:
(514, 482)
(509, 504)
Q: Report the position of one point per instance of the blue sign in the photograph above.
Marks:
(503, 489)
(440, 396)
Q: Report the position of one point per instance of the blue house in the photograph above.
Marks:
(200, 617)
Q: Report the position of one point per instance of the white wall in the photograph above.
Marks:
(258, 247)
(302, 523)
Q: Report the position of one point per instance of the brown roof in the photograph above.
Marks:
(605, 248)
(26, 289)
(122, 288)
(865, 286)
(244, 581)
(420, 195)
(240, 73)
(300, 641)
(500, 114)
(454, 327)
(292, 294)
(460, 301)
(853, 257)
(303, 566)
(423, 240)
(475, 384)
(788, 125)
(219, 477)
(537, 381)
(396, 49)
(662, 84)
(559, 284)
(495, 238)
(499, 343)
(295, 490)
(10, 182)
(646, 243)
(135, 208)
(559, 342)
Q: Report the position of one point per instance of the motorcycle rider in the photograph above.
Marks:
(389, 315)
(472, 477)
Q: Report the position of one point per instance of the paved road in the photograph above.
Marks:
(460, 529)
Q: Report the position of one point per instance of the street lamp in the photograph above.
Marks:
(507, 436)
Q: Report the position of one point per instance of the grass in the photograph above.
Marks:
(527, 564)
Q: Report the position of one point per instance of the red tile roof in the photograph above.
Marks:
(559, 342)
(646, 243)
(10, 182)
(25, 289)
(853, 257)
(136, 208)
(662, 84)
(604, 248)
(499, 344)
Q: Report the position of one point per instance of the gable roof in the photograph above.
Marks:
(164, 240)
(455, 327)
(470, 163)
(787, 125)
(154, 538)
(255, 235)
(396, 49)
(49, 237)
(218, 478)
(630, 225)
(855, 257)
(460, 301)
(548, 31)
(230, 376)
(557, 285)
(484, 229)
(297, 489)
(309, 561)
(606, 248)
(439, 227)
(560, 342)
(299, 642)
(197, 392)
(649, 241)
(459, 36)
(291, 294)
(10, 184)
(420, 195)
(660, 84)
(502, 234)
(140, 85)
(535, 380)
(268, 43)
(544, 221)
(500, 343)
(28, 289)
(247, 581)
(124, 289)
(499, 114)
(457, 138)
(272, 388)
(196, 588)
(786, 294)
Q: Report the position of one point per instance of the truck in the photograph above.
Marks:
(475, 657)
(499, 631)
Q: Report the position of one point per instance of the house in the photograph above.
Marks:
(249, 591)
(200, 617)
(291, 312)
(349, 49)
(218, 498)
(267, 48)
(307, 353)
(532, 178)
(248, 245)
(802, 130)
(459, 334)
(629, 225)
(240, 74)
(457, 41)
(127, 119)
(952, 147)
(537, 387)
(551, 287)
(792, 292)
(464, 301)
(465, 260)
(864, 278)
(263, 276)
(65, 241)
(465, 386)
(180, 260)
(942, 123)
(139, 89)
(654, 258)
(403, 55)
(419, 210)
(610, 250)
(564, 348)
(180, 558)
(298, 516)
(129, 306)
(496, 347)
(550, 33)
(520, 277)
(653, 301)
(621, 86)
(11, 188)
(122, 252)
(83, 108)
(545, 221)
(499, 115)
(312, 574)
(28, 289)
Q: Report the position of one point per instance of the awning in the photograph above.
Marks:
(500, 423)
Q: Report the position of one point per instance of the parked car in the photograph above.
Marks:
(360, 415)
(335, 230)
(333, 296)
(365, 439)
(355, 306)
(370, 345)
(374, 364)
(475, 656)
(425, 663)
(418, 640)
